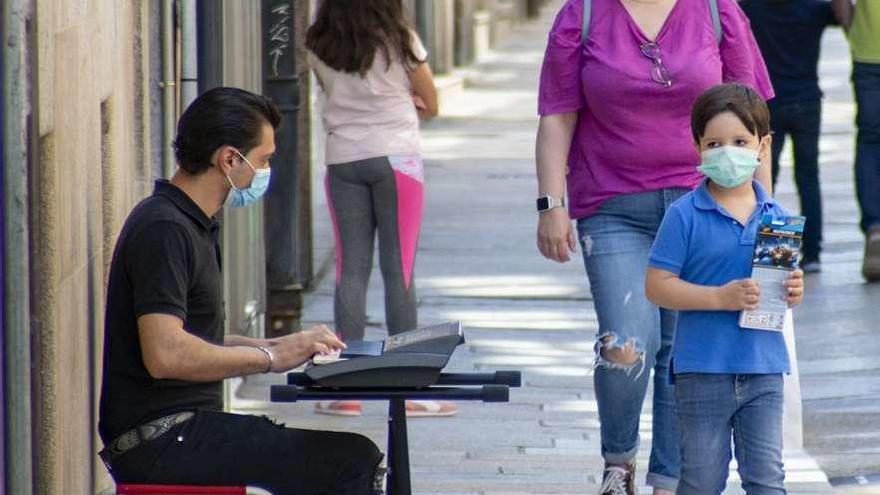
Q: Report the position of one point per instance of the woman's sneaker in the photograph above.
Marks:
(619, 480)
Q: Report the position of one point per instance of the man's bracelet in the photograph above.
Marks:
(268, 355)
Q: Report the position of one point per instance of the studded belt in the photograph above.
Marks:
(142, 434)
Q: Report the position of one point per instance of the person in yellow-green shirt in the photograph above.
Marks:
(862, 22)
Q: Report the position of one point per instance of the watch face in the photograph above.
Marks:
(543, 203)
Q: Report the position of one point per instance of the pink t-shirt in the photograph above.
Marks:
(634, 134)
(371, 115)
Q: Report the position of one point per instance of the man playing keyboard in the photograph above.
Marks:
(165, 356)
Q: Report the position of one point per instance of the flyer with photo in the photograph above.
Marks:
(777, 253)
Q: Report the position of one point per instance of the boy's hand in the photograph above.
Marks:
(794, 288)
(740, 294)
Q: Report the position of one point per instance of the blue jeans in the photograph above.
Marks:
(616, 241)
(866, 80)
(801, 121)
(710, 406)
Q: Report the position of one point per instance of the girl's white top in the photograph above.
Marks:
(371, 115)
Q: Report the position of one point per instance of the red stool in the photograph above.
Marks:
(137, 489)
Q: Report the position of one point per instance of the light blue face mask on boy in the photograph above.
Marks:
(238, 198)
(729, 166)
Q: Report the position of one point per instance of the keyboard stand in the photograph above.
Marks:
(485, 387)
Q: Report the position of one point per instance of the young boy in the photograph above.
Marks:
(727, 379)
(789, 33)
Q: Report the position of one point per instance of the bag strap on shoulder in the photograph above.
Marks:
(713, 11)
(716, 20)
(585, 26)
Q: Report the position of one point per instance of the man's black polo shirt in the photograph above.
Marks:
(167, 260)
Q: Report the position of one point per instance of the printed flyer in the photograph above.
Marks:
(777, 253)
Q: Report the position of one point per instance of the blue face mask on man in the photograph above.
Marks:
(729, 166)
(240, 197)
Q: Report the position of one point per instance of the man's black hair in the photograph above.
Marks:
(221, 117)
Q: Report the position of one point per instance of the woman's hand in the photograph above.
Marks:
(556, 235)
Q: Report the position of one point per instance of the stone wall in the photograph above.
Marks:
(92, 166)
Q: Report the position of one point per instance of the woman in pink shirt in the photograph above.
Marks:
(376, 84)
(615, 136)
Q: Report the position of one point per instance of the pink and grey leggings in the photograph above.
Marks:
(384, 194)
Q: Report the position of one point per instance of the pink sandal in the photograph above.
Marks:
(430, 408)
(339, 407)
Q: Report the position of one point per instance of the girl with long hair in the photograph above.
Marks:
(376, 84)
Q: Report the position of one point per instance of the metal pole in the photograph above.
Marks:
(464, 32)
(209, 65)
(3, 398)
(399, 482)
(16, 265)
(167, 85)
(285, 244)
(189, 67)
(425, 27)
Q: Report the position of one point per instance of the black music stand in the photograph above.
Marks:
(486, 387)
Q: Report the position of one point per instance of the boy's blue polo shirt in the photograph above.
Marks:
(703, 244)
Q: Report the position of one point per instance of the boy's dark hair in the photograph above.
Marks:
(347, 34)
(221, 117)
(739, 99)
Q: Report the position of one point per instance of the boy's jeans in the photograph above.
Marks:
(709, 407)
(616, 241)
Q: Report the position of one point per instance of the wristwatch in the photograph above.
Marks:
(546, 203)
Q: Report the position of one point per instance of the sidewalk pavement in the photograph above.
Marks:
(478, 263)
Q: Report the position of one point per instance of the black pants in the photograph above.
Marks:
(801, 121)
(215, 448)
(866, 81)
